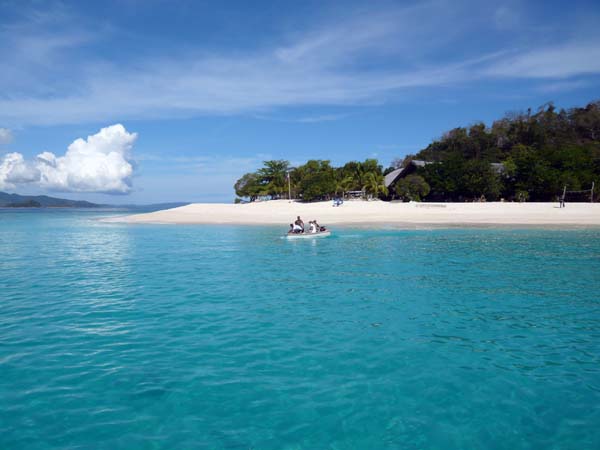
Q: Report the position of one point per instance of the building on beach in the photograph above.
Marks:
(394, 176)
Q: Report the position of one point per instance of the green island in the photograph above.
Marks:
(526, 156)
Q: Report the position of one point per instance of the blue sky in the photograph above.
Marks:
(211, 89)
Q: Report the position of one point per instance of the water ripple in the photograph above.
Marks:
(228, 337)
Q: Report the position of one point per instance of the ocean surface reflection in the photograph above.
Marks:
(231, 337)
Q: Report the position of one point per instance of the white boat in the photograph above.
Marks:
(320, 234)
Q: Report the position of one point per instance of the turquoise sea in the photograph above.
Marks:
(182, 337)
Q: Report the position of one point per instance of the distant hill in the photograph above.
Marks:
(41, 201)
(44, 201)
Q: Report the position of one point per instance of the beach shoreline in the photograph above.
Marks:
(376, 214)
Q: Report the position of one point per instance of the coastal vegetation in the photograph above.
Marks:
(522, 156)
(315, 180)
(540, 153)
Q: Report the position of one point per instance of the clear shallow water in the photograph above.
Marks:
(125, 337)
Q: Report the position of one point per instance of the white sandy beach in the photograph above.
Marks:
(282, 212)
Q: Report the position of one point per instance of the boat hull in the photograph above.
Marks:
(321, 234)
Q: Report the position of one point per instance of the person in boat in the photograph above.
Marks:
(291, 230)
(318, 227)
(312, 227)
(299, 225)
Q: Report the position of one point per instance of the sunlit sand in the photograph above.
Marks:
(283, 212)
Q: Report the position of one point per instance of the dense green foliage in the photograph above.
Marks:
(315, 180)
(541, 153)
(413, 187)
(520, 157)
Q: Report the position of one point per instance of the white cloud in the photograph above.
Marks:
(361, 57)
(171, 89)
(101, 163)
(305, 119)
(572, 59)
(325, 65)
(15, 170)
(563, 86)
(6, 136)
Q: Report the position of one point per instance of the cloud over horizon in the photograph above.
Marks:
(101, 163)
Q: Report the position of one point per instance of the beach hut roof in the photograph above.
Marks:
(394, 175)
(391, 177)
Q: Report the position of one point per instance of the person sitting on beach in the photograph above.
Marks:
(300, 224)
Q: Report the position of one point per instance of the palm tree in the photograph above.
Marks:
(343, 184)
(274, 177)
(374, 184)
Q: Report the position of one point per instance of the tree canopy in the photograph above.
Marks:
(314, 180)
(540, 153)
(521, 156)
